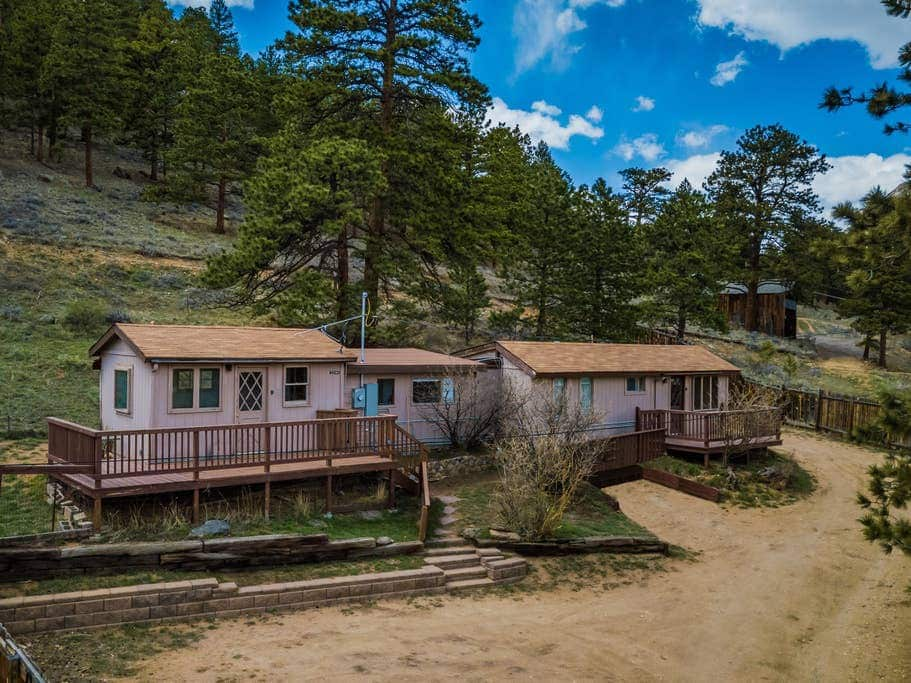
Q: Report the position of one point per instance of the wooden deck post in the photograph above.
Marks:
(196, 506)
(96, 514)
(391, 494)
(638, 420)
(328, 493)
(268, 497)
(196, 463)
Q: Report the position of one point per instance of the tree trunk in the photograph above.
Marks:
(220, 206)
(882, 348)
(153, 162)
(31, 140)
(341, 301)
(681, 326)
(39, 151)
(751, 314)
(866, 355)
(87, 140)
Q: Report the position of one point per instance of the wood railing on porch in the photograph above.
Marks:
(633, 448)
(132, 452)
(708, 427)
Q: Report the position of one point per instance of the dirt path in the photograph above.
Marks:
(779, 594)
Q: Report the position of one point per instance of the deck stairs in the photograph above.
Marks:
(465, 566)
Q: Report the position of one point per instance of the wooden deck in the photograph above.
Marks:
(121, 463)
(716, 432)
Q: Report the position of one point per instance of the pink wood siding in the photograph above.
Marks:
(409, 416)
(324, 393)
(120, 356)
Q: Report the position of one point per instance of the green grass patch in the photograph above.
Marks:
(590, 514)
(769, 480)
(23, 506)
(253, 577)
(108, 653)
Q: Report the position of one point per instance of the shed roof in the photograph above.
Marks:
(765, 287)
(224, 344)
(570, 358)
(412, 360)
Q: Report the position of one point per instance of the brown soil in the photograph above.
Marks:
(791, 593)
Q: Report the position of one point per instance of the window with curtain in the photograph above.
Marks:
(705, 392)
(585, 393)
(182, 388)
(122, 388)
(426, 391)
(209, 388)
(635, 385)
(559, 389)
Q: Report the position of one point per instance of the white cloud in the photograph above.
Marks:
(645, 146)
(726, 72)
(849, 179)
(790, 23)
(544, 29)
(246, 4)
(547, 109)
(542, 125)
(695, 168)
(644, 103)
(696, 138)
(595, 114)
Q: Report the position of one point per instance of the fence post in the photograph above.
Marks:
(851, 416)
(819, 399)
(638, 420)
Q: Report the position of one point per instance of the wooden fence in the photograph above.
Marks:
(633, 448)
(15, 665)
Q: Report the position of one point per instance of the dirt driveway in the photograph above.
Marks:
(778, 594)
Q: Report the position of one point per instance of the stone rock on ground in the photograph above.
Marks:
(370, 514)
(384, 540)
(213, 527)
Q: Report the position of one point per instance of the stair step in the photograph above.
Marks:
(489, 552)
(469, 584)
(449, 542)
(492, 558)
(463, 573)
(453, 561)
(450, 550)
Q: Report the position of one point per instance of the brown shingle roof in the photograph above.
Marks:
(216, 343)
(410, 360)
(567, 358)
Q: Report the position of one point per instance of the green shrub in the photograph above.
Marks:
(85, 317)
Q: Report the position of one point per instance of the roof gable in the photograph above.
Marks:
(223, 343)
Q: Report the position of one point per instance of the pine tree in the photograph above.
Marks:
(154, 83)
(644, 191)
(689, 259)
(215, 135)
(304, 206)
(602, 274)
(761, 190)
(84, 68)
(390, 66)
(222, 22)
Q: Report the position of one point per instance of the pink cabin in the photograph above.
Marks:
(631, 387)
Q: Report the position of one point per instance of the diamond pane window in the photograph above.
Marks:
(182, 389)
(250, 391)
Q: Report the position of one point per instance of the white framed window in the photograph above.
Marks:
(426, 391)
(585, 393)
(635, 385)
(297, 385)
(705, 392)
(123, 390)
(195, 390)
(386, 391)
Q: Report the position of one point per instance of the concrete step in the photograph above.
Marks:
(445, 542)
(469, 584)
(453, 561)
(450, 550)
(464, 573)
(489, 552)
(492, 558)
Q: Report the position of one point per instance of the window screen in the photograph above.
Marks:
(386, 388)
(182, 389)
(296, 381)
(122, 390)
(209, 387)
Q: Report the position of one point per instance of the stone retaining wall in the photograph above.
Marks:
(161, 602)
(205, 554)
(576, 546)
(460, 465)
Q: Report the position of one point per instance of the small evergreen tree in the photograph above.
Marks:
(644, 191)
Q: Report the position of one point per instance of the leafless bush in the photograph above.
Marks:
(749, 416)
(543, 457)
(471, 412)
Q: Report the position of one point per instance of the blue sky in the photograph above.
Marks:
(616, 83)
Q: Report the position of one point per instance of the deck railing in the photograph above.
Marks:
(123, 453)
(710, 427)
(632, 448)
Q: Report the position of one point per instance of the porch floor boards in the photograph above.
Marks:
(150, 483)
